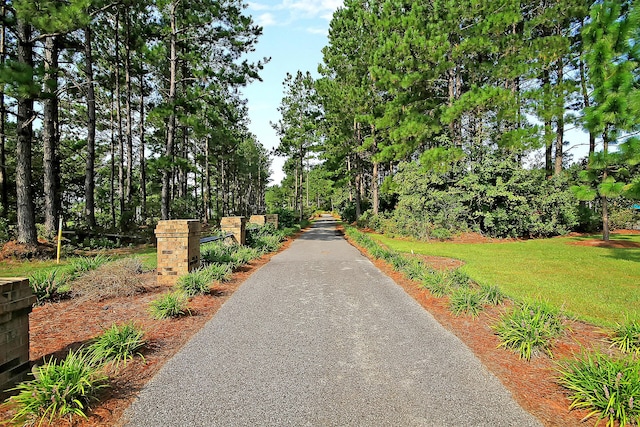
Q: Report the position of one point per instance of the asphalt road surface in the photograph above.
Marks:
(320, 337)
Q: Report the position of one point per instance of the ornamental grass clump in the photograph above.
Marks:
(195, 283)
(216, 252)
(415, 269)
(529, 329)
(436, 283)
(605, 386)
(59, 389)
(244, 254)
(117, 345)
(466, 300)
(219, 272)
(626, 337)
(172, 304)
(492, 295)
(49, 285)
(81, 265)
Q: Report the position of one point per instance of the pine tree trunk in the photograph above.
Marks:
(129, 130)
(587, 104)
(605, 202)
(142, 160)
(121, 154)
(4, 184)
(560, 124)
(89, 182)
(207, 183)
(171, 124)
(112, 170)
(548, 153)
(51, 163)
(24, 123)
(374, 174)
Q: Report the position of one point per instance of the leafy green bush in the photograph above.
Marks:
(172, 304)
(286, 218)
(195, 283)
(529, 329)
(627, 337)
(49, 285)
(5, 230)
(58, 390)
(491, 294)
(607, 387)
(117, 345)
(467, 301)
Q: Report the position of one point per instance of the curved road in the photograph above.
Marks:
(320, 337)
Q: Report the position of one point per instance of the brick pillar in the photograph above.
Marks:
(258, 219)
(178, 249)
(272, 219)
(16, 300)
(235, 225)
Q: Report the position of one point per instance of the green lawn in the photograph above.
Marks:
(147, 255)
(599, 285)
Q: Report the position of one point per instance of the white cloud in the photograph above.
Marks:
(290, 11)
(266, 19)
(322, 31)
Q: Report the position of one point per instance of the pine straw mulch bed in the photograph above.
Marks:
(532, 384)
(55, 328)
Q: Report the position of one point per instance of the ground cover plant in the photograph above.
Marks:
(626, 336)
(597, 284)
(59, 389)
(608, 387)
(171, 304)
(529, 329)
(117, 345)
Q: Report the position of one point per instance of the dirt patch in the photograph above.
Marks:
(57, 327)
(532, 384)
(611, 244)
(21, 251)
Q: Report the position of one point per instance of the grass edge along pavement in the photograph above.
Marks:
(609, 393)
(44, 403)
(598, 285)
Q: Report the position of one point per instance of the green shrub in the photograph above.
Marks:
(491, 294)
(529, 329)
(441, 233)
(465, 301)
(627, 337)
(58, 390)
(219, 272)
(398, 261)
(49, 285)
(172, 304)
(117, 345)
(607, 387)
(195, 283)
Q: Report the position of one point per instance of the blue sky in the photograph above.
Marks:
(295, 31)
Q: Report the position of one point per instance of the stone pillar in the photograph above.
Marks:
(235, 225)
(272, 219)
(178, 249)
(16, 300)
(258, 219)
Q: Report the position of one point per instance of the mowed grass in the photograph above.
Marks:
(10, 268)
(600, 285)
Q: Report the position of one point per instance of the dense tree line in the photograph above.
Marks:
(470, 90)
(115, 114)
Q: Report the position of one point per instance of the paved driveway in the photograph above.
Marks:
(320, 337)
